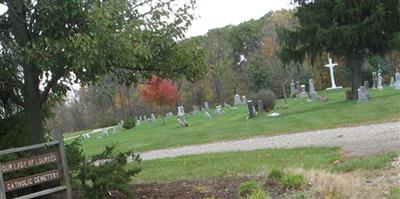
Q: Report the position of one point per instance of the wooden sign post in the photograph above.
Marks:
(41, 178)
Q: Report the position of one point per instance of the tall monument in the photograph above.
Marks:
(331, 65)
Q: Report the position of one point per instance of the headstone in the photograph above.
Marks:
(391, 82)
(397, 82)
(366, 84)
(121, 124)
(250, 109)
(86, 136)
(260, 106)
(331, 65)
(181, 117)
(374, 80)
(218, 110)
(237, 100)
(244, 99)
(227, 105)
(206, 106)
(195, 109)
(380, 81)
(303, 93)
(292, 89)
(313, 93)
(145, 118)
(138, 122)
(153, 118)
(298, 89)
(140, 118)
(207, 114)
(104, 132)
(363, 95)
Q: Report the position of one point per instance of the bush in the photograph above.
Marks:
(268, 98)
(102, 173)
(248, 188)
(293, 181)
(259, 194)
(275, 176)
(129, 123)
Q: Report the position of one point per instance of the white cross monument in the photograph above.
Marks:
(331, 65)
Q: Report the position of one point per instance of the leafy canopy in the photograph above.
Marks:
(342, 27)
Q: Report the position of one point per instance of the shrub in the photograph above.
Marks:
(102, 173)
(275, 176)
(129, 123)
(293, 181)
(247, 188)
(268, 98)
(259, 194)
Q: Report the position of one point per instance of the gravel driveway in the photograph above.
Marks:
(355, 141)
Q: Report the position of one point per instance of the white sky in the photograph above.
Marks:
(219, 13)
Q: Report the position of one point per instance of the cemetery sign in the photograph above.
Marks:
(61, 173)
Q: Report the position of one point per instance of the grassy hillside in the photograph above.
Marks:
(300, 116)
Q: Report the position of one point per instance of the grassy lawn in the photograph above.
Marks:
(300, 116)
(257, 162)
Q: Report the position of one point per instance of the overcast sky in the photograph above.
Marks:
(218, 13)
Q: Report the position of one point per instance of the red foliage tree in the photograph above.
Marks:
(159, 92)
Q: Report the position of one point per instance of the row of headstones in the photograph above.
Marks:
(106, 131)
(237, 100)
(141, 119)
(206, 109)
(299, 90)
(377, 83)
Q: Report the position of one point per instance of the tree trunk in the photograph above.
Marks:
(284, 92)
(33, 107)
(356, 64)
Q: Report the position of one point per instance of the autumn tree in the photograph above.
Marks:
(48, 45)
(352, 30)
(159, 92)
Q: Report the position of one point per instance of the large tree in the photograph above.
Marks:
(352, 30)
(47, 45)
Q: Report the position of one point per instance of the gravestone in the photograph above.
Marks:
(138, 122)
(86, 136)
(374, 80)
(207, 114)
(153, 118)
(313, 93)
(363, 95)
(218, 110)
(121, 124)
(237, 100)
(250, 109)
(104, 132)
(260, 106)
(195, 109)
(145, 118)
(181, 117)
(298, 89)
(331, 65)
(227, 105)
(140, 118)
(391, 82)
(397, 83)
(366, 84)
(206, 106)
(292, 89)
(303, 93)
(380, 81)
(244, 99)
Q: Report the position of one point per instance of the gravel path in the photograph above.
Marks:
(355, 141)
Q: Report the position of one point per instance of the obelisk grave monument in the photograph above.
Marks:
(330, 66)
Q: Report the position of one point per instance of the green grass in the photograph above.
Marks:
(235, 164)
(300, 116)
(365, 163)
(394, 193)
(258, 162)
